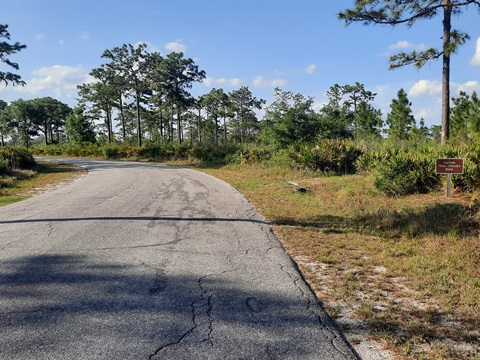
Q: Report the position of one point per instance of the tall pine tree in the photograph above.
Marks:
(400, 119)
(395, 12)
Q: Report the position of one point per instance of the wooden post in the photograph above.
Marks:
(449, 185)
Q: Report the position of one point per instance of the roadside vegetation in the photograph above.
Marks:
(374, 234)
(21, 177)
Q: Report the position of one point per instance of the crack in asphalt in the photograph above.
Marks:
(202, 319)
(200, 309)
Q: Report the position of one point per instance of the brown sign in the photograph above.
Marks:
(449, 166)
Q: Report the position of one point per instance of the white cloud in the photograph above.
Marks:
(59, 81)
(476, 58)
(468, 87)
(404, 46)
(425, 88)
(176, 46)
(40, 36)
(260, 81)
(311, 69)
(61, 42)
(407, 45)
(428, 114)
(232, 82)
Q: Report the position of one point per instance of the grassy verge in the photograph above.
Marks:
(404, 268)
(22, 184)
(407, 268)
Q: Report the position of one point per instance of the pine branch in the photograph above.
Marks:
(417, 59)
(389, 14)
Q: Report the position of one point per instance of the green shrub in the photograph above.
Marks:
(329, 156)
(3, 167)
(470, 179)
(110, 152)
(16, 158)
(406, 173)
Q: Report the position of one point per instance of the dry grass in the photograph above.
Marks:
(22, 184)
(403, 272)
(405, 268)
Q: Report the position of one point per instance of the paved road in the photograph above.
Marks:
(139, 261)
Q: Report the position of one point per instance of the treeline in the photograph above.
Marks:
(139, 106)
(137, 96)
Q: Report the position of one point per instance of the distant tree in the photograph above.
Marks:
(368, 120)
(290, 119)
(435, 132)
(400, 119)
(5, 123)
(419, 133)
(356, 94)
(347, 111)
(6, 50)
(48, 116)
(99, 97)
(474, 114)
(214, 103)
(242, 106)
(179, 74)
(20, 112)
(80, 128)
(130, 64)
(459, 115)
(394, 12)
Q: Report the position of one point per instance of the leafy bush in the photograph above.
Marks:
(406, 173)
(16, 158)
(3, 166)
(328, 156)
(470, 179)
(110, 152)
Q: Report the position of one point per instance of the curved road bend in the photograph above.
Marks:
(141, 261)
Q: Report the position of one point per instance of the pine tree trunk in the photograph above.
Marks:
(447, 14)
(199, 134)
(179, 128)
(139, 124)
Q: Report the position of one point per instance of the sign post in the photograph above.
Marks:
(449, 167)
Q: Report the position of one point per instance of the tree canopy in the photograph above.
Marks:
(6, 50)
(394, 12)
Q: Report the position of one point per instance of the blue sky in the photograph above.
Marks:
(299, 46)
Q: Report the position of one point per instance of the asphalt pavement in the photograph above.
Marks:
(145, 261)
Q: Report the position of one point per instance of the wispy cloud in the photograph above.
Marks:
(476, 58)
(311, 69)
(176, 46)
(404, 45)
(40, 37)
(59, 81)
(232, 82)
(261, 82)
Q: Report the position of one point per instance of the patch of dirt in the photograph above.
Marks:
(377, 297)
(57, 184)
